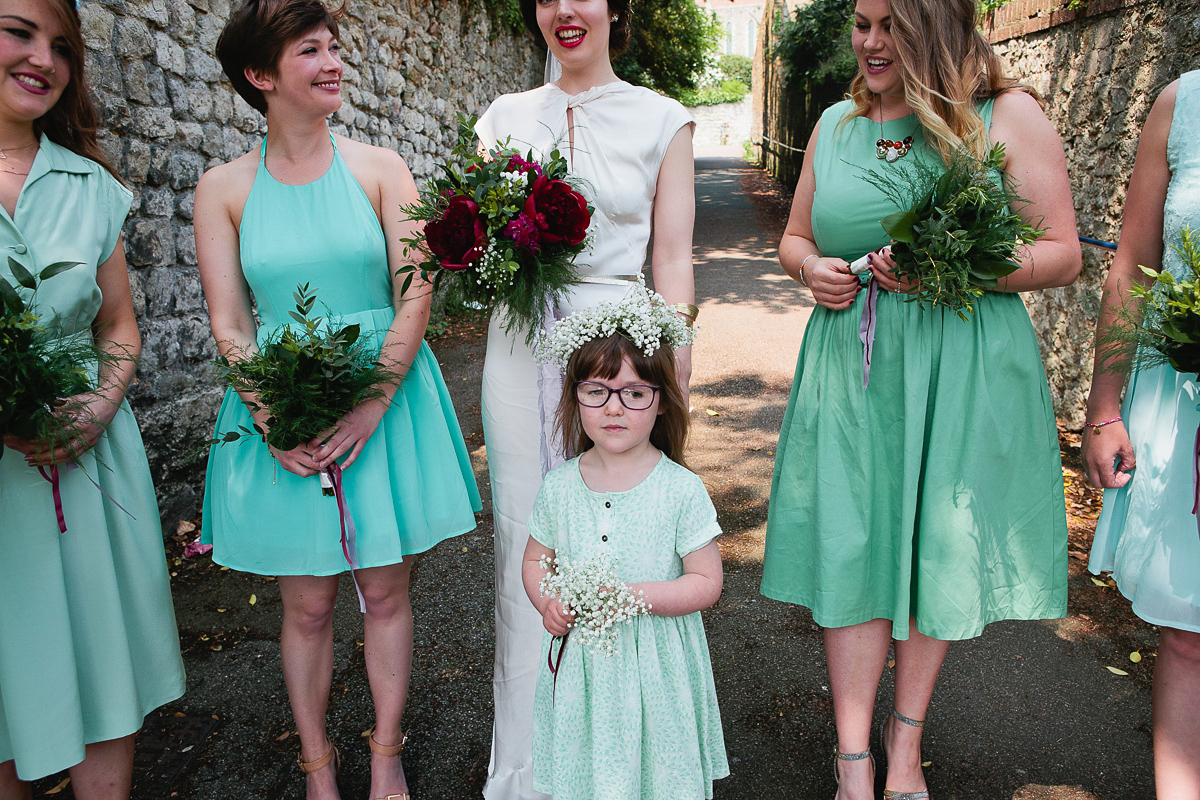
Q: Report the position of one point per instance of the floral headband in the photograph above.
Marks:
(642, 316)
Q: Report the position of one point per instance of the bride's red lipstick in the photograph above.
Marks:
(574, 35)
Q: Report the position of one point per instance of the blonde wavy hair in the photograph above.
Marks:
(947, 67)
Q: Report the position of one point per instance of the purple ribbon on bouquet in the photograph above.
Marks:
(1196, 473)
(556, 664)
(866, 328)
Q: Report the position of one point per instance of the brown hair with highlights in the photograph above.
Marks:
(73, 121)
(257, 32)
(618, 32)
(602, 358)
(947, 67)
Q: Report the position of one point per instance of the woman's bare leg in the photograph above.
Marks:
(855, 656)
(1176, 699)
(919, 659)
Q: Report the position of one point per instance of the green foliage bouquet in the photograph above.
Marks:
(306, 378)
(40, 369)
(509, 225)
(957, 234)
(1161, 323)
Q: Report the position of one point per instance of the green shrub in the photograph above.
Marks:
(727, 92)
(737, 68)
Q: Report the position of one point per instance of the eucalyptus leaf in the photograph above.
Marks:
(56, 268)
(23, 276)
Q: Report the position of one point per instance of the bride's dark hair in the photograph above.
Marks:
(618, 32)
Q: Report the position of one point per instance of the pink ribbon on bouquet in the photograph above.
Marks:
(58, 506)
(349, 531)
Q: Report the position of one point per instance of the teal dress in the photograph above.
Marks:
(936, 492)
(88, 644)
(642, 723)
(1147, 534)
(412, 485)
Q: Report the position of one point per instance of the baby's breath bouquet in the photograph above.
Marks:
(40, 369)
(596, 595)
(1161, 324)
(957, 234)
(509, 225)
(306, 378)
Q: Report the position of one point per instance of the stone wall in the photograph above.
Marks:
(1099, 71)
(168, 114)
(722, 124)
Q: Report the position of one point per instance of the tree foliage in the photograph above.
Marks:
(814, 44)
(673, 42)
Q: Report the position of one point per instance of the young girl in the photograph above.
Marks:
(642, 722)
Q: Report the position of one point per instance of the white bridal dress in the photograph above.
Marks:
(621, 134)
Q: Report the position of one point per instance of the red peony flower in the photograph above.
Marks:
(560, 211)
(457, 238)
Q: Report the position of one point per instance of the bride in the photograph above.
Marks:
(632, 148)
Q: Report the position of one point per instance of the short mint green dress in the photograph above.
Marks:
(88, 644)
(642, 723)
(1147, 534)
(412, 485)
(936, 492)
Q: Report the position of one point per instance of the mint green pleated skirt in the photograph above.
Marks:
(411, 487)
(936, 493)
(88, 644)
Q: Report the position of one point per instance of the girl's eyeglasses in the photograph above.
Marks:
(595, 395)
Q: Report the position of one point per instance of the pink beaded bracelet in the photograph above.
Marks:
(1096, 426)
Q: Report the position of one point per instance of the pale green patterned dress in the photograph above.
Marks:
(642, 723)
(1147, 534)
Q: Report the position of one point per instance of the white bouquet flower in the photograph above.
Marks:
(599, 599)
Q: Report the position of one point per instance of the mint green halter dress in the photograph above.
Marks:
(412, 485)
(936, 492)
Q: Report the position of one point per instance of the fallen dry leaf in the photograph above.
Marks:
(62, 785)
(1116, 671)
(1099, 582)
(283, 736)
(712, 413)
(1136, 656)
(926, 763)
(253, 599)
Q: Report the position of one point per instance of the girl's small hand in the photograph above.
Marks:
(832, 283)
(1108, 456)
(86, 417)
(555, 618)
(881, 265)
(350, 434)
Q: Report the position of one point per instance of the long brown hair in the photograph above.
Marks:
(73, 121)
(947, 66)
(602, 358)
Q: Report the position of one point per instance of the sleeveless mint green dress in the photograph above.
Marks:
(1147, 534)
(88, 645)
(412, 485)
(936, 492)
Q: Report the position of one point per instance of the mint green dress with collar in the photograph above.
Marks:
(88, 644)
(412, 485)
(935, 493)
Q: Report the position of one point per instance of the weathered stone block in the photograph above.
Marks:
(97, 23)
(185, 204)
(135, 162)
(137, 83)
(158, 202)
(169, 54)
(153, 122)
(132, 38)
(185, 250)
(149, 243)
(185, 169)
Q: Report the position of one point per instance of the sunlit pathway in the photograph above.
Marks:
(1027, 711)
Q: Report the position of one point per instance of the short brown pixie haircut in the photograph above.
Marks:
(257, 32)
(602, 358)
(618, 32)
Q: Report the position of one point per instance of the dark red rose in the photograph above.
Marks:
(560, 211)
(457, 238)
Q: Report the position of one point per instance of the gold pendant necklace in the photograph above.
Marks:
(5, 150)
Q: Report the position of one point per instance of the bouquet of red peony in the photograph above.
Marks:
(509, 225)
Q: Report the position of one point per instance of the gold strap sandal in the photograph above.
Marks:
(889, 794)
(389, 751)
(320, 763)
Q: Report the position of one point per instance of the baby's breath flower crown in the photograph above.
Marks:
(642, 316)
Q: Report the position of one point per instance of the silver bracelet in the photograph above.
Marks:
(803, 282)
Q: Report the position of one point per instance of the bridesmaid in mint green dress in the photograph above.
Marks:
(1147, 533)
(308, 207)
(930, 503)
(88, 644)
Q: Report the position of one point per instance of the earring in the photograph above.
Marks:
(616, 17)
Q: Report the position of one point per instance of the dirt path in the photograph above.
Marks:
(1026, 711)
